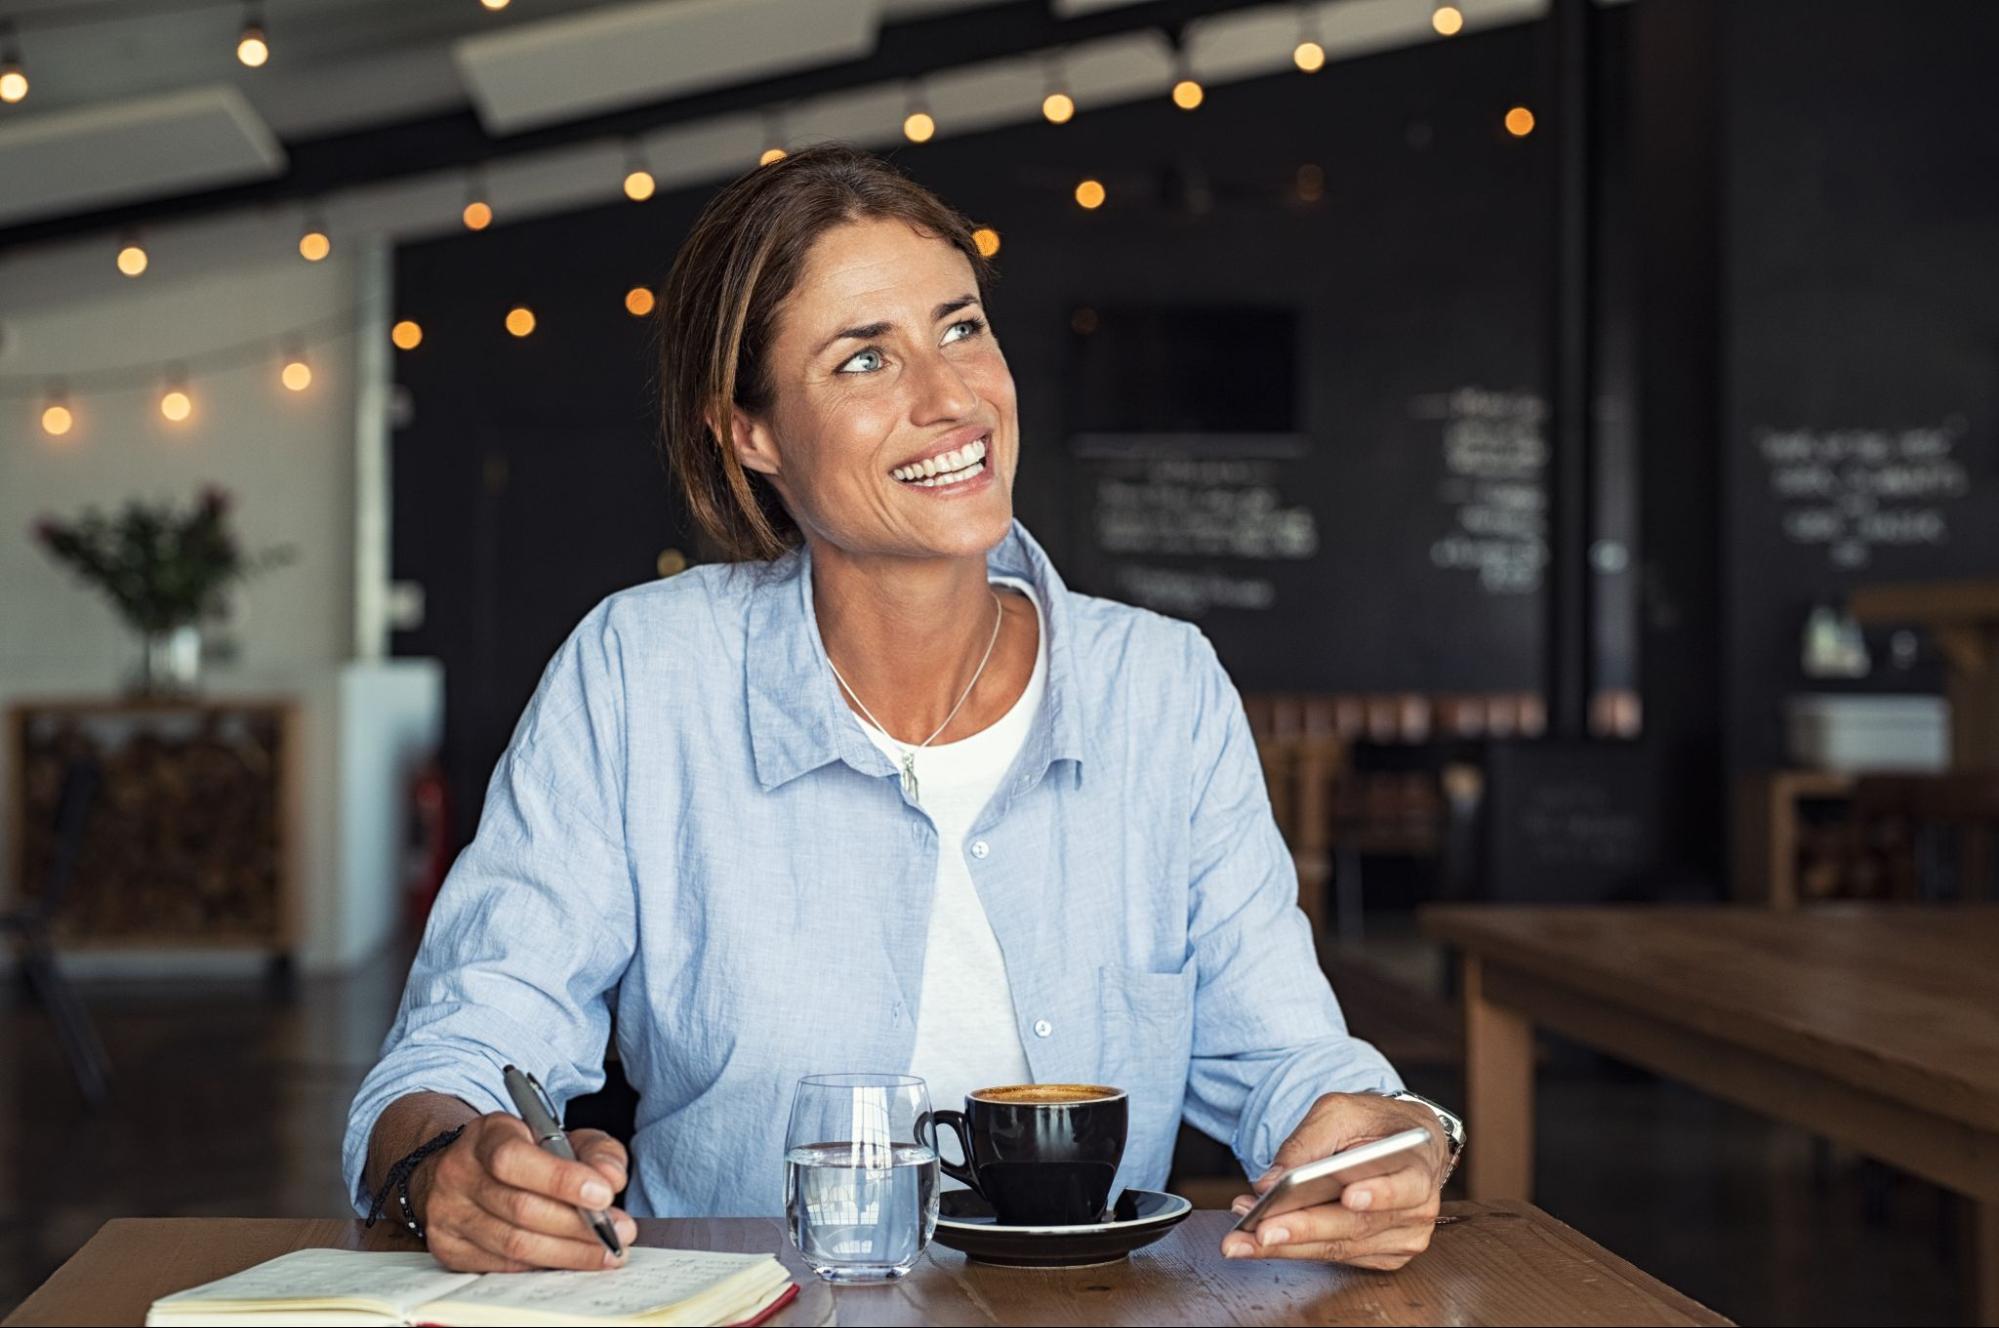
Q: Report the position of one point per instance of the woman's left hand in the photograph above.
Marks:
(1380, 1223)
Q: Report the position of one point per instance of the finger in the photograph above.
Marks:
(1406, 1187)
(628, 1230)
(533, 1248)
(517, 1162)
(596, 1149)
(1242, 1203)
(1320, 1224)
(1388, 1242)
(534, 1212)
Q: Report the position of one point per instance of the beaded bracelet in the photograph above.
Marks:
(397, 1181)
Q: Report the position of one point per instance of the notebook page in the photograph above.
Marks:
(399, 1281)
(651, 1280)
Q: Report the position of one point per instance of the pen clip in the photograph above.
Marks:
(547, 1103)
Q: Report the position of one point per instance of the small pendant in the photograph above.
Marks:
(909, 775)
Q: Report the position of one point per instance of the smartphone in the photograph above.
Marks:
(1321, 1182)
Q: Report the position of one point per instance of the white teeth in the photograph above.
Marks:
(954, 477)
(955, 460)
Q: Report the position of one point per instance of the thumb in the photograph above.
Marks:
(601, 1151)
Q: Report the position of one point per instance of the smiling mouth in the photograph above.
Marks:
(953, 467)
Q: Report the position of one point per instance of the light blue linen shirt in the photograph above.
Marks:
(690, 828)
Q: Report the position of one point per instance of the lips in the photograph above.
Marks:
(952, 467)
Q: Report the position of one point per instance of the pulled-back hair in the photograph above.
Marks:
(718, 311)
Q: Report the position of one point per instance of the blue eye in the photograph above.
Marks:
(977, 325)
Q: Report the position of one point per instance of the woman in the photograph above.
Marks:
(876, 791)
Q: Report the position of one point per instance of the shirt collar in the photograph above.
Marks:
(799, 720)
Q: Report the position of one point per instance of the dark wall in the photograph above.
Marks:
(1861, 306)
(526, 486)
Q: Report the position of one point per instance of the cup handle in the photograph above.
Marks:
(958, 1171)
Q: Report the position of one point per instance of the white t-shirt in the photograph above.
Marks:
(966, 1037)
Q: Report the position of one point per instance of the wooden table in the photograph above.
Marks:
(1493, 1263)
(1874, 1025)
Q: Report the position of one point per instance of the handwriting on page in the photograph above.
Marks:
(400, 1280)
(650, 1280)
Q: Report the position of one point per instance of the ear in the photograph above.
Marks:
(752, 441)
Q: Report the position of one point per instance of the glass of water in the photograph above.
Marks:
(860, 1174)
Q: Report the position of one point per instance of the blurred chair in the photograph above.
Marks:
(1909, 815)
(31, 924)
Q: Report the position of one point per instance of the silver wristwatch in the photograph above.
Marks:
(1453, 1127)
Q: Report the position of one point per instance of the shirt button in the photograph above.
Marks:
(1042, 1028)
(979, 849)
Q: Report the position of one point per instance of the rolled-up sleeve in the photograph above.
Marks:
(1269, 1036)
(535, 923)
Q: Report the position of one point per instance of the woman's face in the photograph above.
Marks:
(882, 362)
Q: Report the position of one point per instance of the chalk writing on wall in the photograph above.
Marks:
(1852, 491)
(1494, 489)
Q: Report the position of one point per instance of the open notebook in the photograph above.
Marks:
(349, 1286)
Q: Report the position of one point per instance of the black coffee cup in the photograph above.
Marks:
(1042, 1155)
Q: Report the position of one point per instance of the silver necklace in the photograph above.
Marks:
(909, 755)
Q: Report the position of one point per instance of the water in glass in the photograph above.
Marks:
(860, 1190)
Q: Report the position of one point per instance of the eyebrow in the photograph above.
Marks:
(866, 331)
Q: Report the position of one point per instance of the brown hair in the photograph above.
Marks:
(718, 316)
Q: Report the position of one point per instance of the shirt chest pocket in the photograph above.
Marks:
(1148, 1030)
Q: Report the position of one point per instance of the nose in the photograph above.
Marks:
(941, 391)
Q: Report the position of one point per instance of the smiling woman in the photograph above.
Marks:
(874, 791)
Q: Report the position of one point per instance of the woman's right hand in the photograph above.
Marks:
(493, 1201)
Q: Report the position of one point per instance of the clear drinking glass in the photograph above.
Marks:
(860, 1191)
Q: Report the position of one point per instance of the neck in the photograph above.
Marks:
(907, 634)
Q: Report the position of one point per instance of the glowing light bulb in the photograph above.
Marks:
(520, 320)
(1520, 122)
(56, 420)
(297, 374)
(1448, 20)
(638, 301)
(987, 239)
(314, 245)
(132, 259)
(495, 5)
(639, 185)
(917, 126)
(176, 405)
(1309, 56)
(770, 155)
(407, 334)
(252, 48)
(1058, 107)
(13, 83)
(1090, 194)
(478, 215)
(1187, 94)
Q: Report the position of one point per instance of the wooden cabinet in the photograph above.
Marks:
(192, 839)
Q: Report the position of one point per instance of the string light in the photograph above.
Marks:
(1090, 194)
(57, 418)
(1309, 54)
(175, 403)
(478, 213)
(639, 184)
(773, 138)
(297, 374)
(638, 301)
(1057, 106)
(132, 258)
(407, 334)
(1448, 20)
(253, 48)
(313, 242)
(1520, 122)
(13, 75)
(520, 320)
(987, 239)
(917, 125)
(1187, 90)
(494, 5)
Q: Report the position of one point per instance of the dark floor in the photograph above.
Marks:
(230, 1102)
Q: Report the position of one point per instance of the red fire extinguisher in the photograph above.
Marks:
(429, 842)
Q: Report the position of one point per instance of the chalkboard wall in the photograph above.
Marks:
(1861, 298)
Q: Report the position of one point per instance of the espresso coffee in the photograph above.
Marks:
(1040, 1154)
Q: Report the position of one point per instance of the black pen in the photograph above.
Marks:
(539, 1113)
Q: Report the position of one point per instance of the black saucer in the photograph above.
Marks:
(966, 1222)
